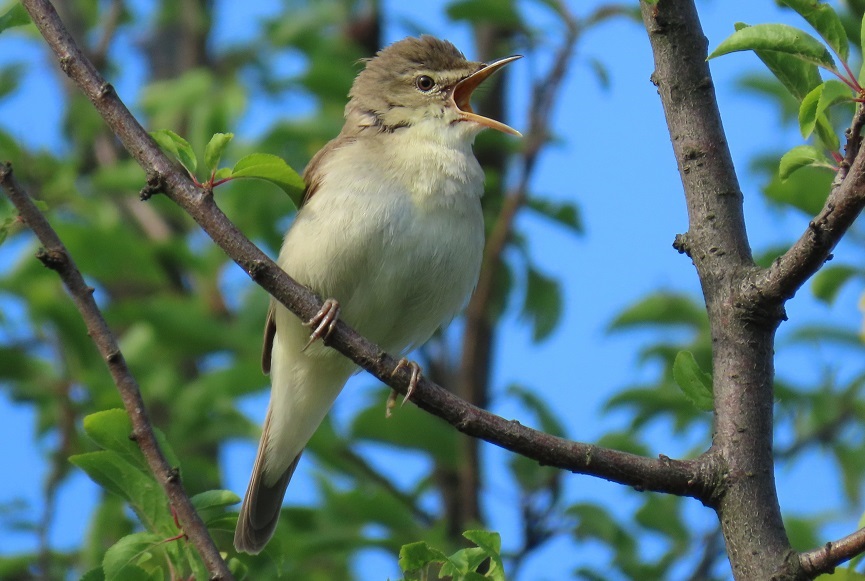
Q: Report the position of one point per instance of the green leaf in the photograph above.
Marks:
(111, 430)
(826, 134)
(833, 92)
(565, 214)
(214, 149)
(127, 554)
(862, 46)
(502, 13)
(662, 309)
(491, 543)
(797, 76)
(694, 383)
(273, 169)
(176, 146)
(463, 563)
(815, 103)
(110, 470)
(414, 556)
(825, 21)
(780, 38)
(802, 156)
(543, 304)
(663, 514)
(842, 574)
(548, 422)
(828, 281)
(808, 111)
(15, 16)
(96, 574)
(214, 499)
(808, 192)
(222, 173)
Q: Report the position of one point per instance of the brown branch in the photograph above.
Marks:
(742, 336)
(110, 20)
(696, 478)
(789, 272)
(541, 106)
(55, 256)
(832, 554)
(59, 468)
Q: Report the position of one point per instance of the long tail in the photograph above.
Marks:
(262, 504)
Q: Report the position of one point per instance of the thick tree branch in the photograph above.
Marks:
(696, 478)
(832, 554)
(742, 338)
(55, 256)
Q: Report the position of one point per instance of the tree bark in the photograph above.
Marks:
(742, 337)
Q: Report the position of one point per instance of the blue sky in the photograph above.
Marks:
(616, 161)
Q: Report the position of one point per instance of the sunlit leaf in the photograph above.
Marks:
(825, 21)
(780, 38)
(414, 556)
(124, 557)
(798, 76)
(176, 146)
(273, 169)
(814, 105)
(214, 499)
(214, 149)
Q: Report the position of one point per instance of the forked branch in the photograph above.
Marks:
(696, 478)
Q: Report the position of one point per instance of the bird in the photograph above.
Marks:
(390, 230)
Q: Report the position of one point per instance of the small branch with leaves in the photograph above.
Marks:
(55, 256)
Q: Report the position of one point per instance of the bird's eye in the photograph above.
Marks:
(424, 83)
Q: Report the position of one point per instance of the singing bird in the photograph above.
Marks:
(390, 231)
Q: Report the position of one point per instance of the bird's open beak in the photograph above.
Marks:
(462, 94)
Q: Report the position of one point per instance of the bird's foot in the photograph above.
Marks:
(323, 323)
(416, 374)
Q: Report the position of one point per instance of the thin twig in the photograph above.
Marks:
(55, 256)
(111, 19)
(832, 554)
(697, 478)
(542, 104)
(59, 469)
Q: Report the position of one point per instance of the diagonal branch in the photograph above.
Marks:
(696, 478)
(55, 256)
(788, 273)
(832, 554)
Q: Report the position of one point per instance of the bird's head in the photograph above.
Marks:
(421, 79)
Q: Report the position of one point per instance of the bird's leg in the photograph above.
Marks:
(323, 322)
(416, 373)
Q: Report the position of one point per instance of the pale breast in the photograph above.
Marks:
(395, 233)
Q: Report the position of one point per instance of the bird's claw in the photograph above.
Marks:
(416, 374)
(323, 322)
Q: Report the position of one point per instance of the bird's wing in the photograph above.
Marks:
(269, 334)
